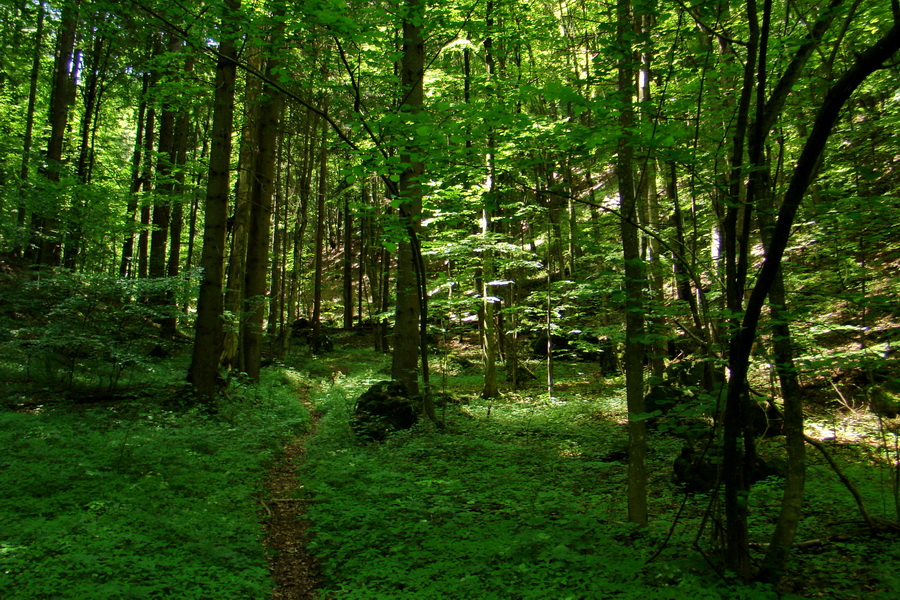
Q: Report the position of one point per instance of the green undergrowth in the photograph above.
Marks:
(141, 499)
(523, 498)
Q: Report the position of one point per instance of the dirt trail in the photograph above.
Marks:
(295, 571)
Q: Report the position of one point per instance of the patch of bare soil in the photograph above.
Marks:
(296, 572)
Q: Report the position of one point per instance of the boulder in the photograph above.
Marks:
(383, 408)
(693, 472)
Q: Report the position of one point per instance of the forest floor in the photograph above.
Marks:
(521, 497)
(145, 495)
(294, 569)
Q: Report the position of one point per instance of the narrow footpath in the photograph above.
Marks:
(295, 571)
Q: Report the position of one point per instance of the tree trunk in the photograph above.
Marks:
(126, 266)
(162, 206)
(320, 242)
(34, 79)
(198, 181)
(409, 192)
(204, 370)
(232, 354)
(867, 62)
(261, 211)
(92, 73)
(489, 318)
(147, 177)
(769, 282)
(648, 196)
(634, 276)
(307, 142)
(739, 451)
(47, 240)
(276, 266)
(347, 291)
(176, 223)
(146, 187)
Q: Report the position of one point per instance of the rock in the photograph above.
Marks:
(773, 467)
(884, 399)
(321, 344)
(301, 329)
(383, 408)
(766, 419)
(694, 473)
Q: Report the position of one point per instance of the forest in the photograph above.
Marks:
(475, 299)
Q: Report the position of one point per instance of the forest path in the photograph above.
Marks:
(294, 569)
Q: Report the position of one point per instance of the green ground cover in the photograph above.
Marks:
(524, 498)
(139, 499)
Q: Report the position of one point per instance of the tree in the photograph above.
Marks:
(27, 138)
(633, 275)
(47, 242)
(262, 188)
(410, 275)
(866, 63)
(208, 335)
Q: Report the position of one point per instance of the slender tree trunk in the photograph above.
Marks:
(489, 320)
(165, 162)
(232, 354)
(277, 266)
(261, 210)
(146, 188)
(176, 223)
(125, 267)
(866, 63)
(382, 339)
(739, 453)
(147, 177)
(648, 196)
(792, 500)
(195, 196)
(347, 291)
(634, 309)
(307, 137)
(34, 79)
(320, 242)
(94, 69)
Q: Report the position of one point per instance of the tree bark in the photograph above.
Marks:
(489, 318)
(347, 265)
(165, 162)
(409, 191)
(126, 264)
(47, 241)
(261, 210)
(34, 79)
(146, 186)
(634, 276)
(203, 372)
(232, 354)
(320, 241)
